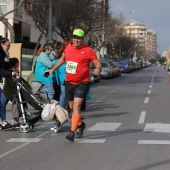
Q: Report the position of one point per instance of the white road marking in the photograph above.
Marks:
(20, 146)
(150, 86)
(149, 91)
(142, 117)
(104, 127)
(154, 142)
(153, 76)
(27, 140)
(157, 127)
(90, 140)
(146, 100)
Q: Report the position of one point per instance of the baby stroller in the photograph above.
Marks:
(30, 94)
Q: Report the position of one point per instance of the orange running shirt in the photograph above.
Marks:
(78, 63)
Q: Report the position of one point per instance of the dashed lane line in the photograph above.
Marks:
(149, 91)
(146, 100)
(142, 117)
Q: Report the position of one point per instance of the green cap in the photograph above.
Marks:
(78, 32)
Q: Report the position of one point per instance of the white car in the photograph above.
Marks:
(106, 71)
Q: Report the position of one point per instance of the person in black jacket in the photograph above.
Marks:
(4, 72)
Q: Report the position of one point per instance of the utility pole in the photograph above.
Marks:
(50, 20)
(121, 14)
(130, 22)
(103, 39)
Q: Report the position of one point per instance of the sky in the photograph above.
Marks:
(154, 14)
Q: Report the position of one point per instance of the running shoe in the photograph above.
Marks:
(7, 126)
(70, 136)
(80, 129)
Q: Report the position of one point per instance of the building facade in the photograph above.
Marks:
(136, 30)
(146, 39)
(22, 23)
(151, 41)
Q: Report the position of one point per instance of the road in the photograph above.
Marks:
(127, 128)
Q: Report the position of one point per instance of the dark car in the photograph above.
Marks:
(125, 65)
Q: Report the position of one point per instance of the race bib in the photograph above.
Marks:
(71, 67)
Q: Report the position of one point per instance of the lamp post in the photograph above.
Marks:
(131, 16)
(130, 21)
(103, 38)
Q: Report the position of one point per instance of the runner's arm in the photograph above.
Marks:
(58, 64)
(98, 67)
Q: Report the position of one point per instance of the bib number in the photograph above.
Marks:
(71, 67)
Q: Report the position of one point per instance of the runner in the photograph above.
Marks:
(77, 57)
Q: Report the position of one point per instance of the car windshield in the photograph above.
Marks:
(26, 64)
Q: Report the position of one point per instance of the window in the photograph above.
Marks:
(3, 8)
(26, 6)
(27, 64)
(3, 1)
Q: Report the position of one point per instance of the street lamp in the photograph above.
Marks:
(130, 15)
(130, 21)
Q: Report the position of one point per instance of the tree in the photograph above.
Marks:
(68, 15)
(6, 23)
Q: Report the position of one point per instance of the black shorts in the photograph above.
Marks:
(78, 90)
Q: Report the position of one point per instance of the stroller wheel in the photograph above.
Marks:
(31, 127)
(24, 127)
(54, 129)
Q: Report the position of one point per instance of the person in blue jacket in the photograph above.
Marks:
(43, 63)
(60, 73)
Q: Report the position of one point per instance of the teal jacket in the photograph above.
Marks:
(43, 63)
(60, 73)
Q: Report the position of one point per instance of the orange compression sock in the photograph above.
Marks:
(75, 120)
(80, 121)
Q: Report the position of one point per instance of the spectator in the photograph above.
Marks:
(60, 73)
(9, 88)
(40, 49)
(44, 63)
(165, 63)
(168, 69)
(4, 59)
(77, 57)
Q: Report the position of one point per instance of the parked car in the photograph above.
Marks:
(111, 66)
(107, 70)
(118, 68)
(27, 67)
(126, 66)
